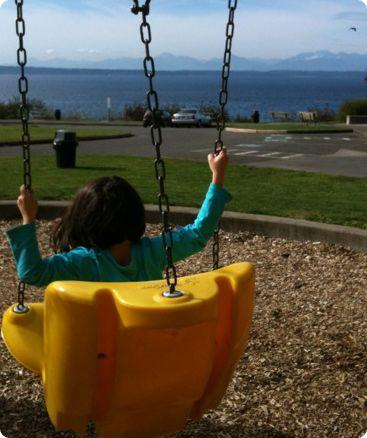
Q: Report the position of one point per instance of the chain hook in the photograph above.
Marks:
(144, 9)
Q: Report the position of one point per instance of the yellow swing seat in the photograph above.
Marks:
(124, 356)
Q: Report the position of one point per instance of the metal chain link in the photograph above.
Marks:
(223, 99)
(24, 117)
(23, 90)
(156, 137)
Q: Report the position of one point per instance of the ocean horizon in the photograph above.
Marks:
(84, 92)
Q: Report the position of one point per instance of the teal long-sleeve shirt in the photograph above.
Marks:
(148, 256)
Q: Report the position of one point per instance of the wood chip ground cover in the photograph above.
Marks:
(304, 371)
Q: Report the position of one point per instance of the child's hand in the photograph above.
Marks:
(27, 204)
(218, 166)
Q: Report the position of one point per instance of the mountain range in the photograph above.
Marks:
(310, 61)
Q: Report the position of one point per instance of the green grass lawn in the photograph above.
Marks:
(291, 127)
(315, 197)
(12, 133)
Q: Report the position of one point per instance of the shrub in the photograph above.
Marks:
(134, 112)
(324, 115)
(357, 107)
(213, 111)
(40, 110)
(10, 109)
(171, 108)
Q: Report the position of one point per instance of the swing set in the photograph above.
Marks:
(137, 359)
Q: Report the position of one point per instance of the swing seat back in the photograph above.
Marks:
(136, 363)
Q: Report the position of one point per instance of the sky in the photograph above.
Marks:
(102, 29)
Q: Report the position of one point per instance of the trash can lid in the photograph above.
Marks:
(64, 135)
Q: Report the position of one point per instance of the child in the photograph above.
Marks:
(100, 237)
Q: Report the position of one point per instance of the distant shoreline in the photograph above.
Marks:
(5, 69)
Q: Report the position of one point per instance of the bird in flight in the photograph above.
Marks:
(353, 28)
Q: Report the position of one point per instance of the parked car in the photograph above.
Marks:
(164, 116)
(190, 116)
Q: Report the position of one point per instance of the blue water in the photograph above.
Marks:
(85, 91)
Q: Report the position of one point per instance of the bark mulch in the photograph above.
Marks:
(304, 371)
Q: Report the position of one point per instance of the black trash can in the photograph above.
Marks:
(255, 116)
(57, 114)
(65, 144)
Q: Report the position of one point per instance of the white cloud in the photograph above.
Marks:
(50, 51)
(364, 2)
(2, 2)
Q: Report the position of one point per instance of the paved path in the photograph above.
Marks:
(339, 154)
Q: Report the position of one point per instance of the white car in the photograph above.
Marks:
(190, 116)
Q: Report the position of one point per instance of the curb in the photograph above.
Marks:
(289, 131)
(46, 141)
(270, 226)
(257, 131)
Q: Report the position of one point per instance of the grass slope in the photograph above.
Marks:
(316, 197)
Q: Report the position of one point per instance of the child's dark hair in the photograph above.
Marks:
(104, 212)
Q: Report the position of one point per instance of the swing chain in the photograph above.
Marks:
(24, 117)
(223, 99)
(156, 137)
(23, 90)
(21, 307)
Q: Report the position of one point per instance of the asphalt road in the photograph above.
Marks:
(338, 154)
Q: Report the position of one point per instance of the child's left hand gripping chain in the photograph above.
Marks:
(27, 204)
(218, 166)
